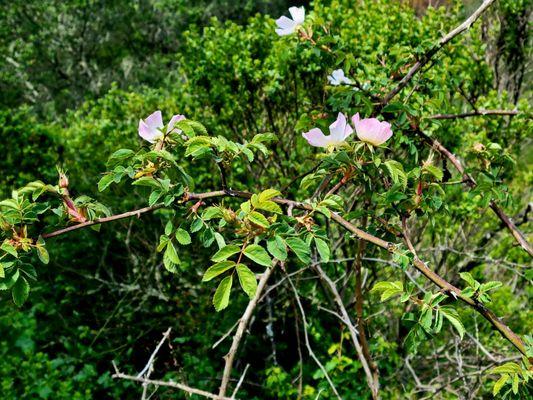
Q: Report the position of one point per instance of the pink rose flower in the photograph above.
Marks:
(372, 130)
(339, 131)
(151, 129)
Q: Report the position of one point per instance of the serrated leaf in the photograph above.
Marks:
(323, 249)
(217, 269)
(270, 206)
(183, 237)
(105, 181)
(499, 384)
(258, 219)
(468, 278)
(300, 248)
(276, 247)
(258, 254)
(170, 258)
(247, 280)
(225, 252)
(20, 291)
(268, 194)
(396, 172)
(222, 294)
(42, 253)
(435, 171)
(452, 316)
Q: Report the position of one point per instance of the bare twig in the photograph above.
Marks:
(474, 114)
(373, 383)
(166, 334)
(307, 344)
(434, 50)
(171, 384)
(243, 323)
(241, 380)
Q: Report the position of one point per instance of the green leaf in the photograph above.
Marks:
(258, 254)
(452, 316)
(221, 297)
(8, 248)
(105, 181)
(499, 384)
(485, 287)
(247, 280)
(435, 171)
(323, 249)
(147, 181)
(396, 172)
(42, 253)
(226, 252)
(20, 291)
(170, 258)
(120, 155)
(268, 194)
(388, 289)
(183, 237)
(258, 219)
(300, 248)
(163, 241)
(270, 206)
(468, 278)
(217, 269)
(277, 248)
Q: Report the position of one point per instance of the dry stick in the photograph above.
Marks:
(241, 380)
(149, 367)
(171, 384)
(391, 247)
(470, 181)
(474, 114)
(243, 323)
(372, 382)
(307, 344)
(151, 359)
(434, 50)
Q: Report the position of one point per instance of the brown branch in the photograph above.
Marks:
(171, 384)
(434, 50)
(470, 181)
(359, 305)
(243, 323)
(474, 114)
(391, 247)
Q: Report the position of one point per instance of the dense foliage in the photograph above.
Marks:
(77, 76)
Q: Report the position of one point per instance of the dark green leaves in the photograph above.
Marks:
(20, 291)
(300, 248)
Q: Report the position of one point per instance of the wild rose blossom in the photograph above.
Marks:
(339, 131)
(372, 130)
(150, 129)
(287, 26)
(337, 78)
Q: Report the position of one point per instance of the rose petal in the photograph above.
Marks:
(297, 14)
(337, 128)
(146, 133)
(154, 120)
(315, 137)
(175, 119)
